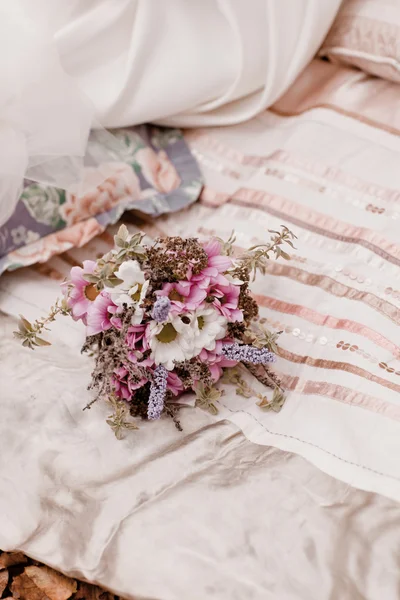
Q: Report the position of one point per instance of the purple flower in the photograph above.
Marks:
(158, 389)
(161, 309)
(246, 353)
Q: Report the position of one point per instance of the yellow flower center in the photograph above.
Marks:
(174, 295)
(200, 322)
(167, 334)
(136, 295)
(91, 292)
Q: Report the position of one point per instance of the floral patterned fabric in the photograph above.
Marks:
(148, 169)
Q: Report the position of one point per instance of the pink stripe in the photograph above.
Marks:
(211, 197)
(328, 321)
(369, 100)
(342, 394)
(337, 176)
(335, 288)
(199, 139)
(309, 219)
(335, 365)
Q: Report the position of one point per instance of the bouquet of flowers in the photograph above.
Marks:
(167, 318)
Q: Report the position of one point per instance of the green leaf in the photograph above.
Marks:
(136, 239)
(123, 233)
(139, 250)
(285, 255)
(24, 325)
(106, 271)
(120, 242)
(41, 342)
(90, 277)
(131, 426)
(112, 282)
(121, 254)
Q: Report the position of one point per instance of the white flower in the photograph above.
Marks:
(132, 291)
(172, 341)
(210, 326)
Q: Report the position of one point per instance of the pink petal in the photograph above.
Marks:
(212, 247)
(76, 274)
(222, 263)
(210, 272)
(125, 393)
(165, 290)
(197, 294)
(88, 266)
(135, 386)
(183, 287)
(216, 372)
(120, 372)
(237, 315)
(116, 322)
(79, 308)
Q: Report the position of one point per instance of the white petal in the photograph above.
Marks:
(121, 299)
(130, 273)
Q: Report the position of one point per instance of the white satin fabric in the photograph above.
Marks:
(67, 67)
(180, 63)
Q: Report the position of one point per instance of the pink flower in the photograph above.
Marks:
(124, 386)
(137, 342)
(80, 293)
(135, 337)
(121, 389)
(216, 361)
(100, 314)
(226, 301)
(158, 170)
(174, 383)
(217, 262)
(183, 295)
(217, 265)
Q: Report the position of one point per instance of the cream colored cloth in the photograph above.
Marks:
(164, 515)
(190, 63)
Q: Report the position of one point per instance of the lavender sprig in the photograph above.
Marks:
(246, 353)
(161, 309)
(158, 389)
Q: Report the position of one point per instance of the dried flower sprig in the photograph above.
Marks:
(260, 337)
(206, 397)
(29, 332)
(264, 376)
(256, 258)
(243, 389)
(118, 419)
(275, 404)
(227, 245)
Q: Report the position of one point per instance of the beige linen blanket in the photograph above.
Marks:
(308, 511)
